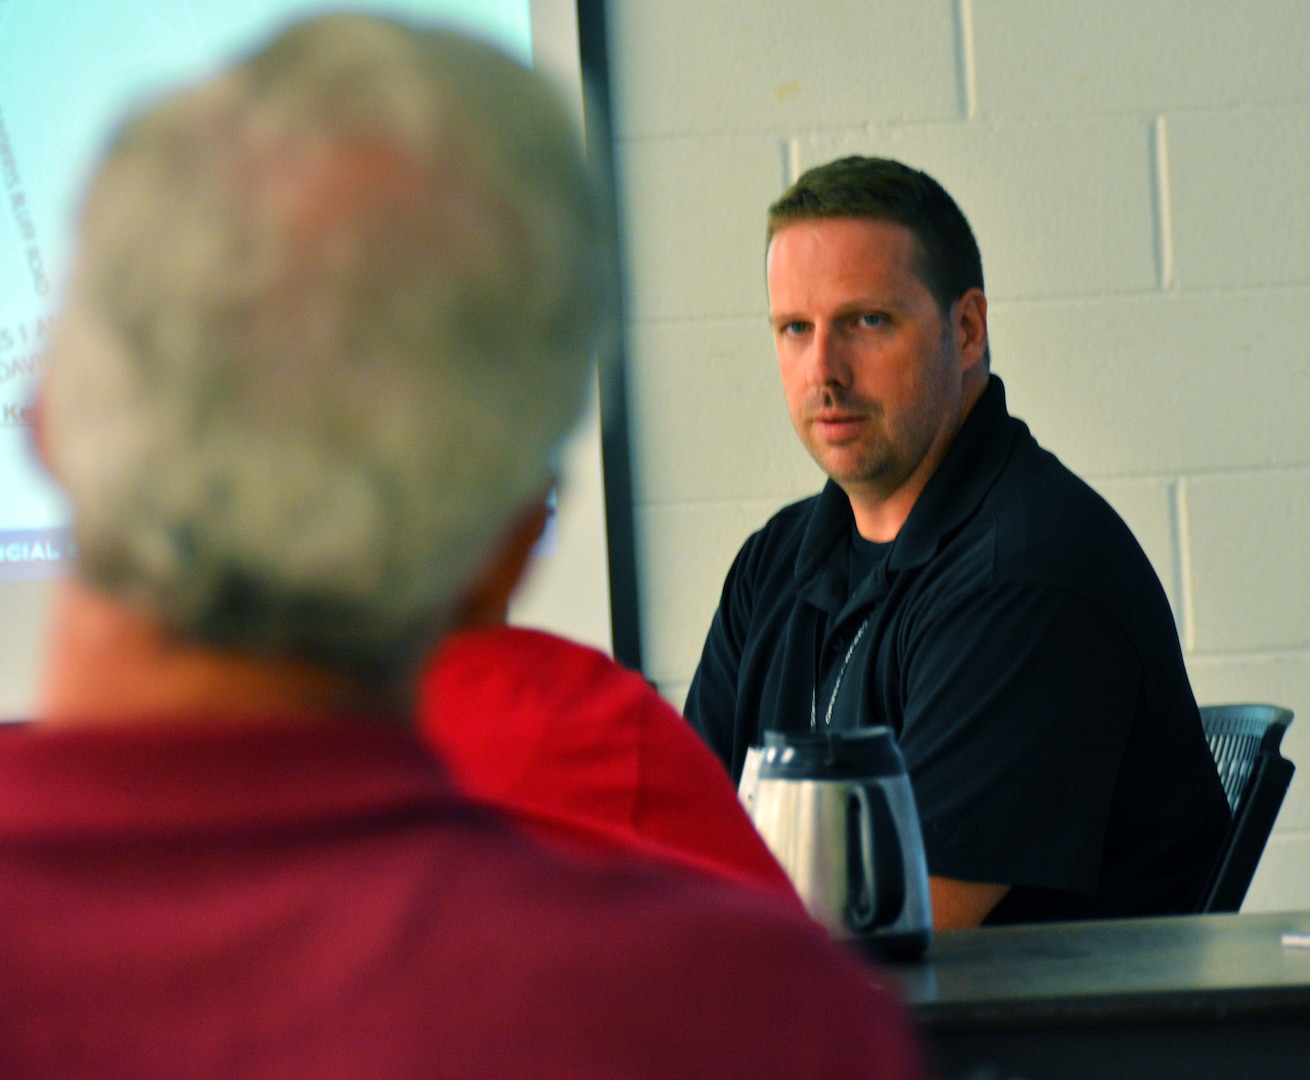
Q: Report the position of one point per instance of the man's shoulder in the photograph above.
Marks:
(651, 949)
(644, 911)
(789, 523)
(776, 543)
(1042, 512)
(1043, 526)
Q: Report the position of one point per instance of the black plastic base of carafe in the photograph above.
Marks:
(898, 946)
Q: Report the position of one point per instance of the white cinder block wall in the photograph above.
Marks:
(1138, 174)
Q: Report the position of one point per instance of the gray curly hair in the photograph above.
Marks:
(331, 314)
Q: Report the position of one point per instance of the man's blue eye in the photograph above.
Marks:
(872, 320)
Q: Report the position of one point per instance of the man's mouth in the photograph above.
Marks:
(836, 426)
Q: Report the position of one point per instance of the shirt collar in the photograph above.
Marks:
(963, 479)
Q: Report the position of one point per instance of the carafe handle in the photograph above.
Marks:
(875, 870)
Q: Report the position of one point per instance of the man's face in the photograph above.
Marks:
(872, 370)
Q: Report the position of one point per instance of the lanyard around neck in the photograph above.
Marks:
(841, 674)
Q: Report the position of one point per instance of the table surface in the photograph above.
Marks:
(1143, 970)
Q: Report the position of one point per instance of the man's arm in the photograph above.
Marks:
(960, 905)
(711, 703)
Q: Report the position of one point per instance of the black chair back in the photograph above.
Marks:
(1244, 740)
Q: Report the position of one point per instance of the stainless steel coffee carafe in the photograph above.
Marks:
(837, 811)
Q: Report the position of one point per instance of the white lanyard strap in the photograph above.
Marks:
(841, 674)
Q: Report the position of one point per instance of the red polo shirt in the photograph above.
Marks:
(587, 753)
(316, 901)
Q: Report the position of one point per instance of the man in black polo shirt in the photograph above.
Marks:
(954, 581)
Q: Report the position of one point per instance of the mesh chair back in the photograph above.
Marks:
(1235, 733)
(1244, 740)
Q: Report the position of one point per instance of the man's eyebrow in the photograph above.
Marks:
(858, 306)
(781, 318)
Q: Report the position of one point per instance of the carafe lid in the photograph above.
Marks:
(858, 753)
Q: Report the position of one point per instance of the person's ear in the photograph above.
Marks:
(487, 602)
(969, 317)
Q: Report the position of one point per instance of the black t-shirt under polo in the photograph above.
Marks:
(1017, 641)
(865, 557)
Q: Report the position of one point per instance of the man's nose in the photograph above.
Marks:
(829, 363)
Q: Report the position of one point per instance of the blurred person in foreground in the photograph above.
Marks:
(586, 754)
(330, 313)
(955, 582)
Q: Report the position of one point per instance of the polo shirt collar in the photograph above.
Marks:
(963, 479)
(820, 552)
(952, 495)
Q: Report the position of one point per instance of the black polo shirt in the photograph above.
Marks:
(1017, 641)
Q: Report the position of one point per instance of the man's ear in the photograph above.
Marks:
(970, 327)
(487, 602)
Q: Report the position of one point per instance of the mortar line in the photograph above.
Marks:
(968, 69)
(1163, 202)
(791, 160)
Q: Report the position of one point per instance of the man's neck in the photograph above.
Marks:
(880, 519)
(879, 514)
(109, 663)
